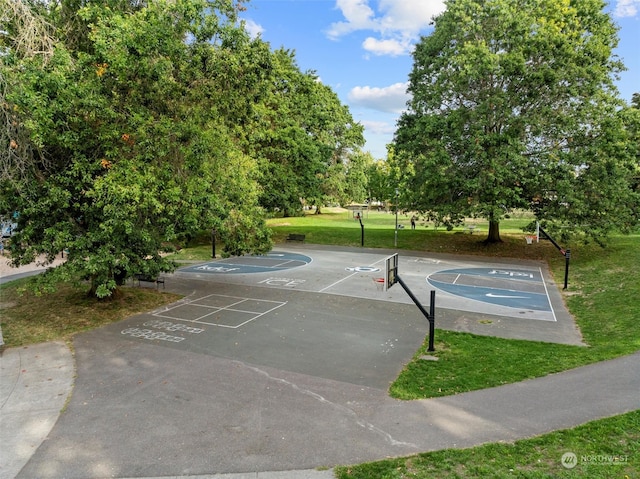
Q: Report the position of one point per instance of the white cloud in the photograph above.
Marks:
(398, 23)
(409, 16)
(391, 99)
(378, 127)
(390, 47)
(358, 16)
(627, 8)
(252, 28)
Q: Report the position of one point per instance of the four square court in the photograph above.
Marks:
(220, 310)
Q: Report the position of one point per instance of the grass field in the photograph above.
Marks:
(29, 319)
(602, 296)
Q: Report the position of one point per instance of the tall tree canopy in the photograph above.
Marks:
(302, 137)
(631, 119)
(513, 106)
(124, 151)
(127, 128)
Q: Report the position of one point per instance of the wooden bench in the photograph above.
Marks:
(295, 237)
(143, 278)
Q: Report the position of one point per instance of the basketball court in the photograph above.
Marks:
(521, 291)
(338, 314)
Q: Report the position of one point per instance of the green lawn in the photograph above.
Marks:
(29, 319)
(604, 449)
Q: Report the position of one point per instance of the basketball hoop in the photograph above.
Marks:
(379, 283)
(530, 239)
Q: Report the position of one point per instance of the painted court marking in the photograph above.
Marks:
(270, 262)
(221, 310)
(512, 288)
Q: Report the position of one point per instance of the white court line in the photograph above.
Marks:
(457, 278)
(217, 309)
(515, 291)
(548, 297)
(279, 265)
(349, 276)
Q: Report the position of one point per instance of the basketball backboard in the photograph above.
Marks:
(391, 271)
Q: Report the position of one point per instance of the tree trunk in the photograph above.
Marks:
(494, 232)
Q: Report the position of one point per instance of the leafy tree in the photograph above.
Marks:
(631, 118)
(299, 132)
(292, 160)
(125, 150)
(356, 177)
(379, 182)
(513, 106)
(332, 127)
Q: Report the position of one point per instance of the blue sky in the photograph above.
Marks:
(362, 50)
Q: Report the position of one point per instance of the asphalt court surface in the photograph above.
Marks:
(520, 291)
(321, 311)
(339, 338)
(515, 288)
(272, 262)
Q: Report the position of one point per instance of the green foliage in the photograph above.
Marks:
(356, 177)
(513, 106)
(301, 135)
(129, 150)
(150, 122)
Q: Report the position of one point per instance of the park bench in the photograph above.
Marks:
(143, 278)
(471, 228)
(295, 237)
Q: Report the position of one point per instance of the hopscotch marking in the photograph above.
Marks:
(234, 306)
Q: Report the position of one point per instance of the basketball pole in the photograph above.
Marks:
(430, 315)
(395, 237)
(564, 252)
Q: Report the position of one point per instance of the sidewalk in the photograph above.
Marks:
(37, 380)
(9, 273)
(35, 384)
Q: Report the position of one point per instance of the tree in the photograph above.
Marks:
(380, 187)
(123, 150)
(631, 119)
(356, 177)
(513, 106)
(292, 160)
(290, 123)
